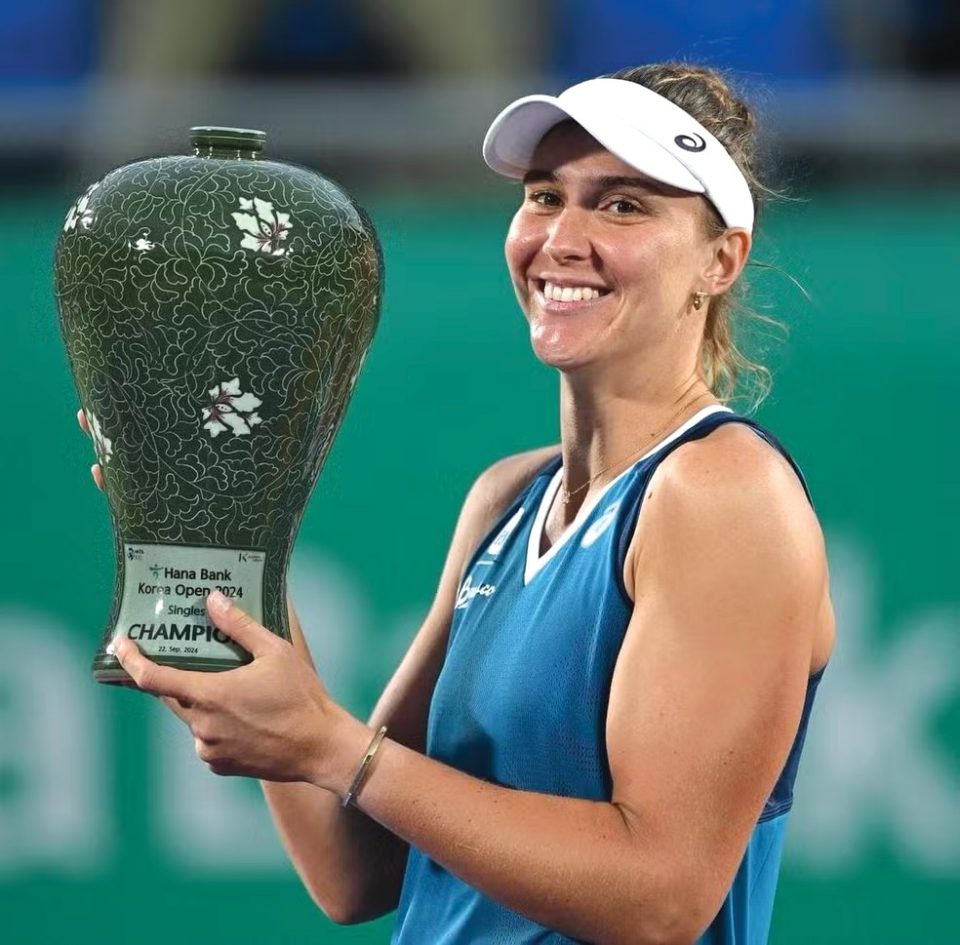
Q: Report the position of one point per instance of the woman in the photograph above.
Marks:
(594, 735)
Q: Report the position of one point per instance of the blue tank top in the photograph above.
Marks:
(521, 700)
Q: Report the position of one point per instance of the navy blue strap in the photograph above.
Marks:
(705, 426)
(721, 418)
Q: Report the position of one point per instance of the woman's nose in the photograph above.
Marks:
(567, 236)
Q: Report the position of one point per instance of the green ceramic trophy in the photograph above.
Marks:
(216, 309)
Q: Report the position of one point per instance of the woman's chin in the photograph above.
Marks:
(565, 345)
(561, 357)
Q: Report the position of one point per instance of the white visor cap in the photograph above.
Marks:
(636, 124)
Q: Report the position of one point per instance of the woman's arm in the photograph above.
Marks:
(351, 865)
(705, 703)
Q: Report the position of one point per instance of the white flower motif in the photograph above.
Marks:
(264, 231)
(102, 444)
(80, 214)
(143, 244)
(227, 404)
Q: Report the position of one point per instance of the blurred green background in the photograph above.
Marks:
(110, 828)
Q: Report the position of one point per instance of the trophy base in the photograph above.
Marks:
(160, 604)
(108, 670)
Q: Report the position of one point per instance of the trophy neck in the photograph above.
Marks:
(212, 141)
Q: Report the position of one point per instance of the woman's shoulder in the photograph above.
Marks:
(732, 474)
(732, 457)
(501, 482)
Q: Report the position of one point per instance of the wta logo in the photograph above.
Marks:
(601, 524)
(497, 545)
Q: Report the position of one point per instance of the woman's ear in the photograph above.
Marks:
(730, 252)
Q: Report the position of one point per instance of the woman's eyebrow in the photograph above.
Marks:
(539, 175)
(535, 175)
(643, 182)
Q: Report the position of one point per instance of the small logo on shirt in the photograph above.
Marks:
(600, 525)
(496, 546)
(469, 590)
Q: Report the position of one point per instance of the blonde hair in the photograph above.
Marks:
(707, 96)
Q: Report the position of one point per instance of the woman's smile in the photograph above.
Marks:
(565, 296)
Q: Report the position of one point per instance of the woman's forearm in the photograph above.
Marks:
(573, 865)
(351, 866)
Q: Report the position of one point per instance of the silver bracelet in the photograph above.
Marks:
(364, 767)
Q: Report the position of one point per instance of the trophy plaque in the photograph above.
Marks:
(216, 308)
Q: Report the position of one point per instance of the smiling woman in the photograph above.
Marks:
(729, 166)
(595, 734)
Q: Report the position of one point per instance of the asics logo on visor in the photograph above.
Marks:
(690, 142)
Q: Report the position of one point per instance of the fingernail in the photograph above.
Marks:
(216, 601)
(114, 646)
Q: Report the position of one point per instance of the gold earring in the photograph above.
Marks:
(698, 298)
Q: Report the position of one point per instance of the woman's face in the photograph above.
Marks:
(605, 261)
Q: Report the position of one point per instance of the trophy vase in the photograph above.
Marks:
(216, 309)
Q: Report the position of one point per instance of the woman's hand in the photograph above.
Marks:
(271, 719)
(95, 469)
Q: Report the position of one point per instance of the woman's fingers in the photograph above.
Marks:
(183, 685)
(95, 469)
(179, 707)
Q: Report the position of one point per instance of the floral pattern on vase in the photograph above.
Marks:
(265, 230)
(102, 444)
(80, 213)
(142, 244)
(230, 409)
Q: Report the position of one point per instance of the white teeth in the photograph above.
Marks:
(569, 293)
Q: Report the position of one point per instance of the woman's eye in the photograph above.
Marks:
(546, 198)
(622, 205)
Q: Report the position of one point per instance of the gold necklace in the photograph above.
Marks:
(567, 496)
